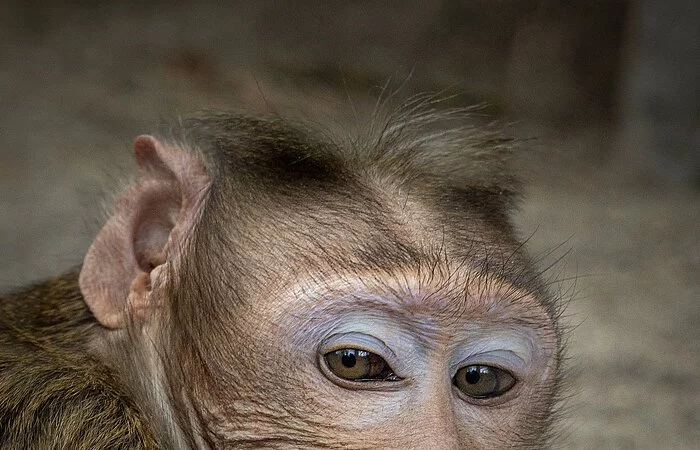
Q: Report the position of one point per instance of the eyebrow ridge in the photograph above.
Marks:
(455, 299)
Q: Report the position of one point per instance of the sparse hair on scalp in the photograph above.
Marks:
(416, 141)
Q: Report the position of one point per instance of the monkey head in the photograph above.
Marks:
(261, 285)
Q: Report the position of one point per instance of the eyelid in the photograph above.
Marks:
(506, 360)
(365, 342)
(515, 351)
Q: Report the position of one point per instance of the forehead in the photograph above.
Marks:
(375, 244)
(289, 204)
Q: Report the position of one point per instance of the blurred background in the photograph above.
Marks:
(607, 92)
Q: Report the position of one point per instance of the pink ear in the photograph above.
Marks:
(151, 220)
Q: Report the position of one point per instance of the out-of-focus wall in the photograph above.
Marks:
(660, 92)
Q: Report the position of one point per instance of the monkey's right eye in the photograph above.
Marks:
(359, 365)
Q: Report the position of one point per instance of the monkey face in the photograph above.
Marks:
(396, 363)
(384, 342)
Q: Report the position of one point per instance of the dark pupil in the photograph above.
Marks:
(472, 376)
(348, 359)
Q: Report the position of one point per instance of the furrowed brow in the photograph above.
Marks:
(409, 298)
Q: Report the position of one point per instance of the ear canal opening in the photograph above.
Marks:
(153, 226)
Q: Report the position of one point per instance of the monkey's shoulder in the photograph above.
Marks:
(67, 406)
(53, 399)
(45, 315)
(53, 393)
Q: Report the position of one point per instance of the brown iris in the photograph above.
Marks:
(479, 381)
(359, 365)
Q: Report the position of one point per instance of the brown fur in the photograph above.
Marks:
(53, 394)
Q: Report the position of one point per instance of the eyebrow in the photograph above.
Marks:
(454, 300)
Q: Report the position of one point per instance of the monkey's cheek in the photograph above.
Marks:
(365, 410)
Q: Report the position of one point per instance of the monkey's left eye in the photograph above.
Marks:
(359, 365)
(478, 381)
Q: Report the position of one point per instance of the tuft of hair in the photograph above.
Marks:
(418, 142)
(448, 144)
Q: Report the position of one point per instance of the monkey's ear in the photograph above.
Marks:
(151, 220)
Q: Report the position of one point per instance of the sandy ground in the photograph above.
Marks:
(76, 87)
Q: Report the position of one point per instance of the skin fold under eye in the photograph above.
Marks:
(359, 365)
(480, 381)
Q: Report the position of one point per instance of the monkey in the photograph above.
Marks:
(266, 283)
